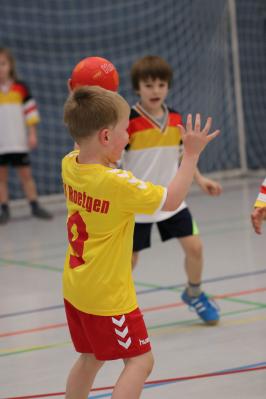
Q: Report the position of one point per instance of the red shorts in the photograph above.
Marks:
(108, 337)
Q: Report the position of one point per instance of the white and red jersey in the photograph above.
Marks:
(261, 199)
(153, 152)
(17, 111)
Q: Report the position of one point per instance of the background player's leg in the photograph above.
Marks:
(131, 381)
(192, 246)
(27, 182)
(30, 191)
(193, 296)
(4, 215)
(81, 376)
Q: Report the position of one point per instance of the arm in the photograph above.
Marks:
(32, 136)
(257, 217)
(208, 186)
(259, 213)
(195, 140)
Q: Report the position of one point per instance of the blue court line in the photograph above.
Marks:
(37, 310)
(106, 395)
(210, 280)
(147, 291)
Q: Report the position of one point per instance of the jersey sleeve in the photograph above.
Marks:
(29, 105)
(261, 199)
(137, 196)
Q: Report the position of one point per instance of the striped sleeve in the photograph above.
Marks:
(261, 199)
(31, 113)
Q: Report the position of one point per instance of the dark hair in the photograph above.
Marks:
(89, 109)
(12, 62)
(151, 66)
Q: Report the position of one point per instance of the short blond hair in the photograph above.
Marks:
(89, 109)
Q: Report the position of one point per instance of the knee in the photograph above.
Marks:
(88, 361)
(148, 365)
(25, 175)
(196, 250)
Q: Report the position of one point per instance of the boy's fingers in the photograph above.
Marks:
(207, 126)
(197, 123)
(212, 136)
(189, 122)
(181, 127)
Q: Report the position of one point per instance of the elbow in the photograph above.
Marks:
(170, 206)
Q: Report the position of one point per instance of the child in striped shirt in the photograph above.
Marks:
(19, 117)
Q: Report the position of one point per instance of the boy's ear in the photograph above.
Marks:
(104, 136)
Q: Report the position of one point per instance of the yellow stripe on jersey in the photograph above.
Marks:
(155, 138)
(11, 97)
(32, 119)
(101, 203)
(260, 204)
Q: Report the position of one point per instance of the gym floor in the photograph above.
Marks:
(191, 359)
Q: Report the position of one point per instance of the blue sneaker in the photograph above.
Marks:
(205, 308)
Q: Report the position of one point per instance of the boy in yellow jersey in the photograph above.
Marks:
(259, 213)
(104, 320)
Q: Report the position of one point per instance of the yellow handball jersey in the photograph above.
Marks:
(101, 203)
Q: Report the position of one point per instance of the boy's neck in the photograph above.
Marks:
(5, 83)
(90, 156)
(155, 112)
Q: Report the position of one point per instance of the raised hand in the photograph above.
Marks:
(257, 217)
(195, 139)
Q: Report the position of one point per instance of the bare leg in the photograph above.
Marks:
(3, 185)
(81, 376)
(135, 257)
(27, 182)
(131, 381)
(192, 247)
(29, 188)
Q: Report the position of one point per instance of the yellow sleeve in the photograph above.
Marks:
(261, 199)
(137, 196)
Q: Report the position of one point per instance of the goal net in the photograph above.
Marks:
(195, 36)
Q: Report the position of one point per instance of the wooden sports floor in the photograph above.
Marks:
(192, 360)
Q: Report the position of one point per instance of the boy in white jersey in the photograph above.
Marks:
(259, 213)
(152, 154)
(100, 300)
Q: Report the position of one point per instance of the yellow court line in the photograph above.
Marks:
(163, 331)
(182, 329)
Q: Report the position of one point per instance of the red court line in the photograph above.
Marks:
(144, 310)
(228, 295)
(31, 330)
(155, 382)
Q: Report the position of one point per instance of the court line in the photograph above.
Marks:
(150, 309)
(36, 266)
(191, 325)
(32, 330)
(178, 326)
(156, 383)
(155, 288)
(223, 296)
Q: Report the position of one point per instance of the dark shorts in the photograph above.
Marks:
(15, 159)
(178, 226)
(108, 337)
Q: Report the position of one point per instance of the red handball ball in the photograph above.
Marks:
(95, 71)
